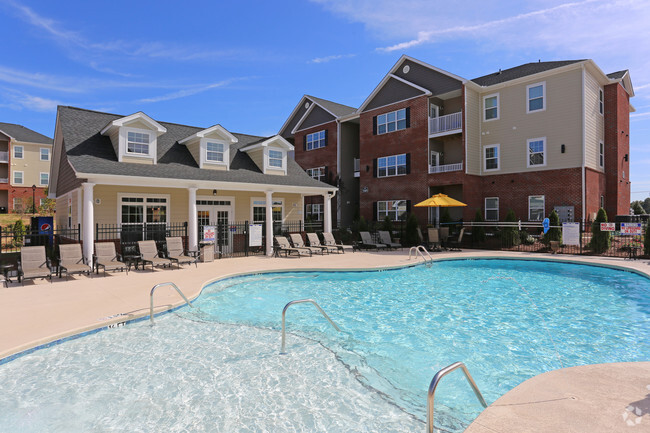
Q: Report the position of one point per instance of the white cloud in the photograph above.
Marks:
(187, 92)
(330, 58)
(17, 100)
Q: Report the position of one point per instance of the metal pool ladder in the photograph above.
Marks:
(153, 289)
(434, 383)
(420, 250)
(301, 301)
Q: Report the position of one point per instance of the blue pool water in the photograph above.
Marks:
(217, 367)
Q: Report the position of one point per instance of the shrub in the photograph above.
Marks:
(600, 241)
(478, 232)
(637, 208)
(387, 225)
(554, 233)
(411, 231)
(510, 235)
(19, 232)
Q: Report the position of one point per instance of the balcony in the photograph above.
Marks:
(444, 125)
(357, 167)
(445, 168)
(4, 157)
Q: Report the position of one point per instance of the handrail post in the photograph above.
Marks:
(301, 301)
(153, 289)
(434, 383)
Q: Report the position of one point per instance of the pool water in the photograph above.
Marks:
(217, 367)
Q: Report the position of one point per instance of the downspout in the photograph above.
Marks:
(339, 171)
(584, 148)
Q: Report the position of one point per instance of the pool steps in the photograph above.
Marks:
(153, 289)
(301, 301)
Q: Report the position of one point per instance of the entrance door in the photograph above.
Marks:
(220, 217)
(435, 158)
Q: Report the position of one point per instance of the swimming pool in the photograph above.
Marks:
(217, 367)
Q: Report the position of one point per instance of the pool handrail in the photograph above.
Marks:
(434, 383)
(301, 301)
(153, 289)
(419, 249)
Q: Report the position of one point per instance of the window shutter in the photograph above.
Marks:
(408, 163)
(408, 117)
(374, 211)
(374, 167)
(304, 142)
(374, 125)
(408, 207)
(326, 137)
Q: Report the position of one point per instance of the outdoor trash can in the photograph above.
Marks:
(207, 252)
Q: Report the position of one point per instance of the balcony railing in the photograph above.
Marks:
(4, 180)
(442, 124)
(445, 168)
(4, 156)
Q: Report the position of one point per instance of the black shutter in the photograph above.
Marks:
(408, 207)
(326, 137)
(304, 142)
(408, 163)
(374, 167)
(408, 117)
(374, 125)
(374, 211)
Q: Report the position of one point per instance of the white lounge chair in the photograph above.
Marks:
(72, 261)
(107, 259)
(285, 247)
(296, 240)
(367, 242)
(314, 241)
(149, 254)
(329, 240)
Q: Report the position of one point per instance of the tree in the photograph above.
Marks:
(411, 231)
(387, 224)
(554, 233)
(510, 236)
(478, 232)
(637, 208)
(19, 232)
(600, 241)
(646, 205)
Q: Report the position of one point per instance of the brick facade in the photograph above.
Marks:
(617, 148)
(26, 194)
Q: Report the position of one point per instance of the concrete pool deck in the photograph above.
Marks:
(42, 312)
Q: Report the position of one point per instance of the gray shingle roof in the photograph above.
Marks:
(521, 71)
(90, 152)
(616, 75)
(20, 133)
(337, 109)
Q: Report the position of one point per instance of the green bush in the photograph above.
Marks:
(387, 225)
(478, 232)
(637, 208)
(510, 235)
(19, 232)
(600, 241)
(554, 233)
(411, 231)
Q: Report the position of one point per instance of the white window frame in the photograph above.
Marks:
(46, 149)
(22, 152)
(498, 157)
(601, 102)
(317, 173)
(544, 152)
(315, 140)
(486, 208)
(40, 178)
(167, 204)
(319, 211)
(498, 107)
(261, 202)
(386, 122)
(137, 143)
(396, 166)
(528, 99)
(267, 159)
(381, 215)
(22, 177)
(124, 143)
(20, 200)
(601, 154)
(543, 207)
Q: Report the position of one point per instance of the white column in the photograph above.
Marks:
(327, 213)
(88, 223)
(192, 235)
(269, 223)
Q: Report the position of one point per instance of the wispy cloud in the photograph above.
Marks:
(187, 92)
(330, 58)
(18, 100)
(639, 116)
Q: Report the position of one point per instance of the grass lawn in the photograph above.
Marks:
(8, 219)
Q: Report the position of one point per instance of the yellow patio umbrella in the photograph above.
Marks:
(440, 200)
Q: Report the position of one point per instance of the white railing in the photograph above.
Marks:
(357, 164)
(450, 122)
(445, 168)
(4, 156)
(4, 180)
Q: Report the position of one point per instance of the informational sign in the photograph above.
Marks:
(630, 229)
(255, 235)
(546, 224)
(209, 233)
(233, 229)
(607, 227)
(571, 233)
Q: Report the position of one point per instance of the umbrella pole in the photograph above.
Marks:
(438, 216)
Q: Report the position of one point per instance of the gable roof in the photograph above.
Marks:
(90, 153)
(521, 71)
(333, 107)
(20, 133)
(299, 113)
(617, 75)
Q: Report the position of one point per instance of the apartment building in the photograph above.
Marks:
(24, 167)
(532, 138)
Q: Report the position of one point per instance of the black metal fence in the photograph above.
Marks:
(126, 236)
(12, 240)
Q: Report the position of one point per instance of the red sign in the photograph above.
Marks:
(607, 227)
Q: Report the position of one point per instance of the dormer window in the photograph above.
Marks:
(276, 159)
(137, 143)
(135, 138)
(214, 152)
(211, 147)
(270, 154)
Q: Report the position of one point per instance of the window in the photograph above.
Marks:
(314, 211)
(601, 101)
(44, 179)
(535, 207)
(491, 208)
(491, 107)
(317, 173)
(145, 215)
(393, 121)
(316, 140)
(601, 154)
(259, 210)
(137, 143)
(45, 154)
(18, 177)
(275, 159)
(393, 209)
(391, 165)
(18, 152)
(18, 204)
(491, 157)
(536, 152)
(214, 151)
(536, 97)
(602, 201)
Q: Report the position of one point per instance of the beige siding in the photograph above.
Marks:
(453, 105)
(257, 155)
(275, 172)
(594, 122)
(472, 131)
(139, 125)
(137, 160)
(31, 164)
(115, 140)
(560, 123)
(195, 150)
(62, 212)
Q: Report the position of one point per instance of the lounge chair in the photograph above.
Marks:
(72, 261)
(176, 252)
(434, 239)
(420, 236)
(314, 241)
(384, 236)
(285, 247)
(444, 235)
(367, 242)
(296, 240)
(555, 246)
(106, 258)
(454, 244)
(329, 240)
(33, 264)
(149, 254)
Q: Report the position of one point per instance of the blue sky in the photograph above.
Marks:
(245, 64)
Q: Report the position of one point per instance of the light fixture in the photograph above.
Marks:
(562, 148)
(214, 192)
(625, 157)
